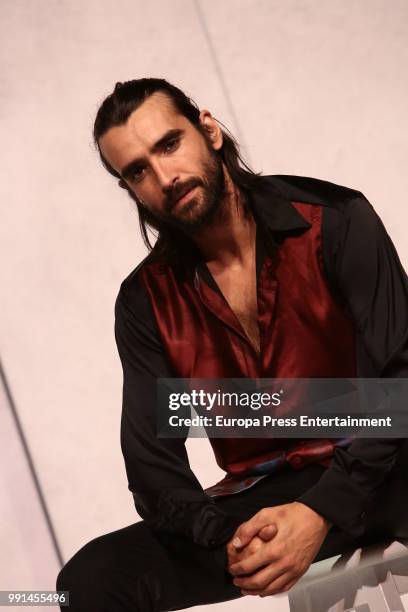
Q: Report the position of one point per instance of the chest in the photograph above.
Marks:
(288, 312)
(238, 287)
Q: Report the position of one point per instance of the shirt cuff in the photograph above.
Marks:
(337, 498)
(226, 530)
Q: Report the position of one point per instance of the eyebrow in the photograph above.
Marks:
(135, 163)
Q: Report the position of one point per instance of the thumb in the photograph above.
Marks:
(268, 532)
(249, 529)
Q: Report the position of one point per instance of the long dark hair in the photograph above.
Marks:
(171, 245)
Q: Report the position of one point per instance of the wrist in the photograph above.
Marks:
(322, 521)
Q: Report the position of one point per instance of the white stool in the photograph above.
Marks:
(370, 579)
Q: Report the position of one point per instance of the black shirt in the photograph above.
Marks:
(365, 275)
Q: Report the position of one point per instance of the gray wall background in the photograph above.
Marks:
(308, 87)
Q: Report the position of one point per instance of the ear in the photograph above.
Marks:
(212, 129)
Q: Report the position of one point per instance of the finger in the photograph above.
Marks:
(249, 529)
(234, 558)
(278, 587)
(268, 532)
(236, 552)
(289, 585)
(254, 562)
(260, 580)
(231, 551)
(239, 556)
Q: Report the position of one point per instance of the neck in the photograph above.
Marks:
(230, 239)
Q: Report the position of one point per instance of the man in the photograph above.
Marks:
(250, 276)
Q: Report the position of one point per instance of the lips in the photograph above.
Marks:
(180, 198)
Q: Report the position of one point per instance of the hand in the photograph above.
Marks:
(276, 565)
(238, 554)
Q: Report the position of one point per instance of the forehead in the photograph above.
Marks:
(145, 126)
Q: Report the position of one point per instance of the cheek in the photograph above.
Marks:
(146, 191)
(190, 161)
(151, 198)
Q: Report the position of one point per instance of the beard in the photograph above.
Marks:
(202, 208)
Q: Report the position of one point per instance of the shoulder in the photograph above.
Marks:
(342, 206)
(132, 297)
(135, 324)
(314, 190)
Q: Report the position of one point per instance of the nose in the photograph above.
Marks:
(166, 175)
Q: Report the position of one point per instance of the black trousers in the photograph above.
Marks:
(137, 570)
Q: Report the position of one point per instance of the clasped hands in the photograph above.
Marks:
(270, 552)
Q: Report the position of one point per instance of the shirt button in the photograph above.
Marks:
(363, 515)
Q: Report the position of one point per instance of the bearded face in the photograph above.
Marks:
(193, 205)
(172, 168)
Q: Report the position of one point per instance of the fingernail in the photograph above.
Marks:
(236, 542)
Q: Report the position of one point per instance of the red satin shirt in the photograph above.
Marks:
(332, 302)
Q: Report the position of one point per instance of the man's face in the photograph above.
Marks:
(168, 164)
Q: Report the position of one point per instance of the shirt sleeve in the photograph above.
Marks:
(366, 274)
(166, 493)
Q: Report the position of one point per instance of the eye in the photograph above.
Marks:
(136, 174)
(171, 145)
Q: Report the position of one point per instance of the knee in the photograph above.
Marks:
(84, 576)
(97, 580)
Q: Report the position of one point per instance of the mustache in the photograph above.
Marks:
(178, 192)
